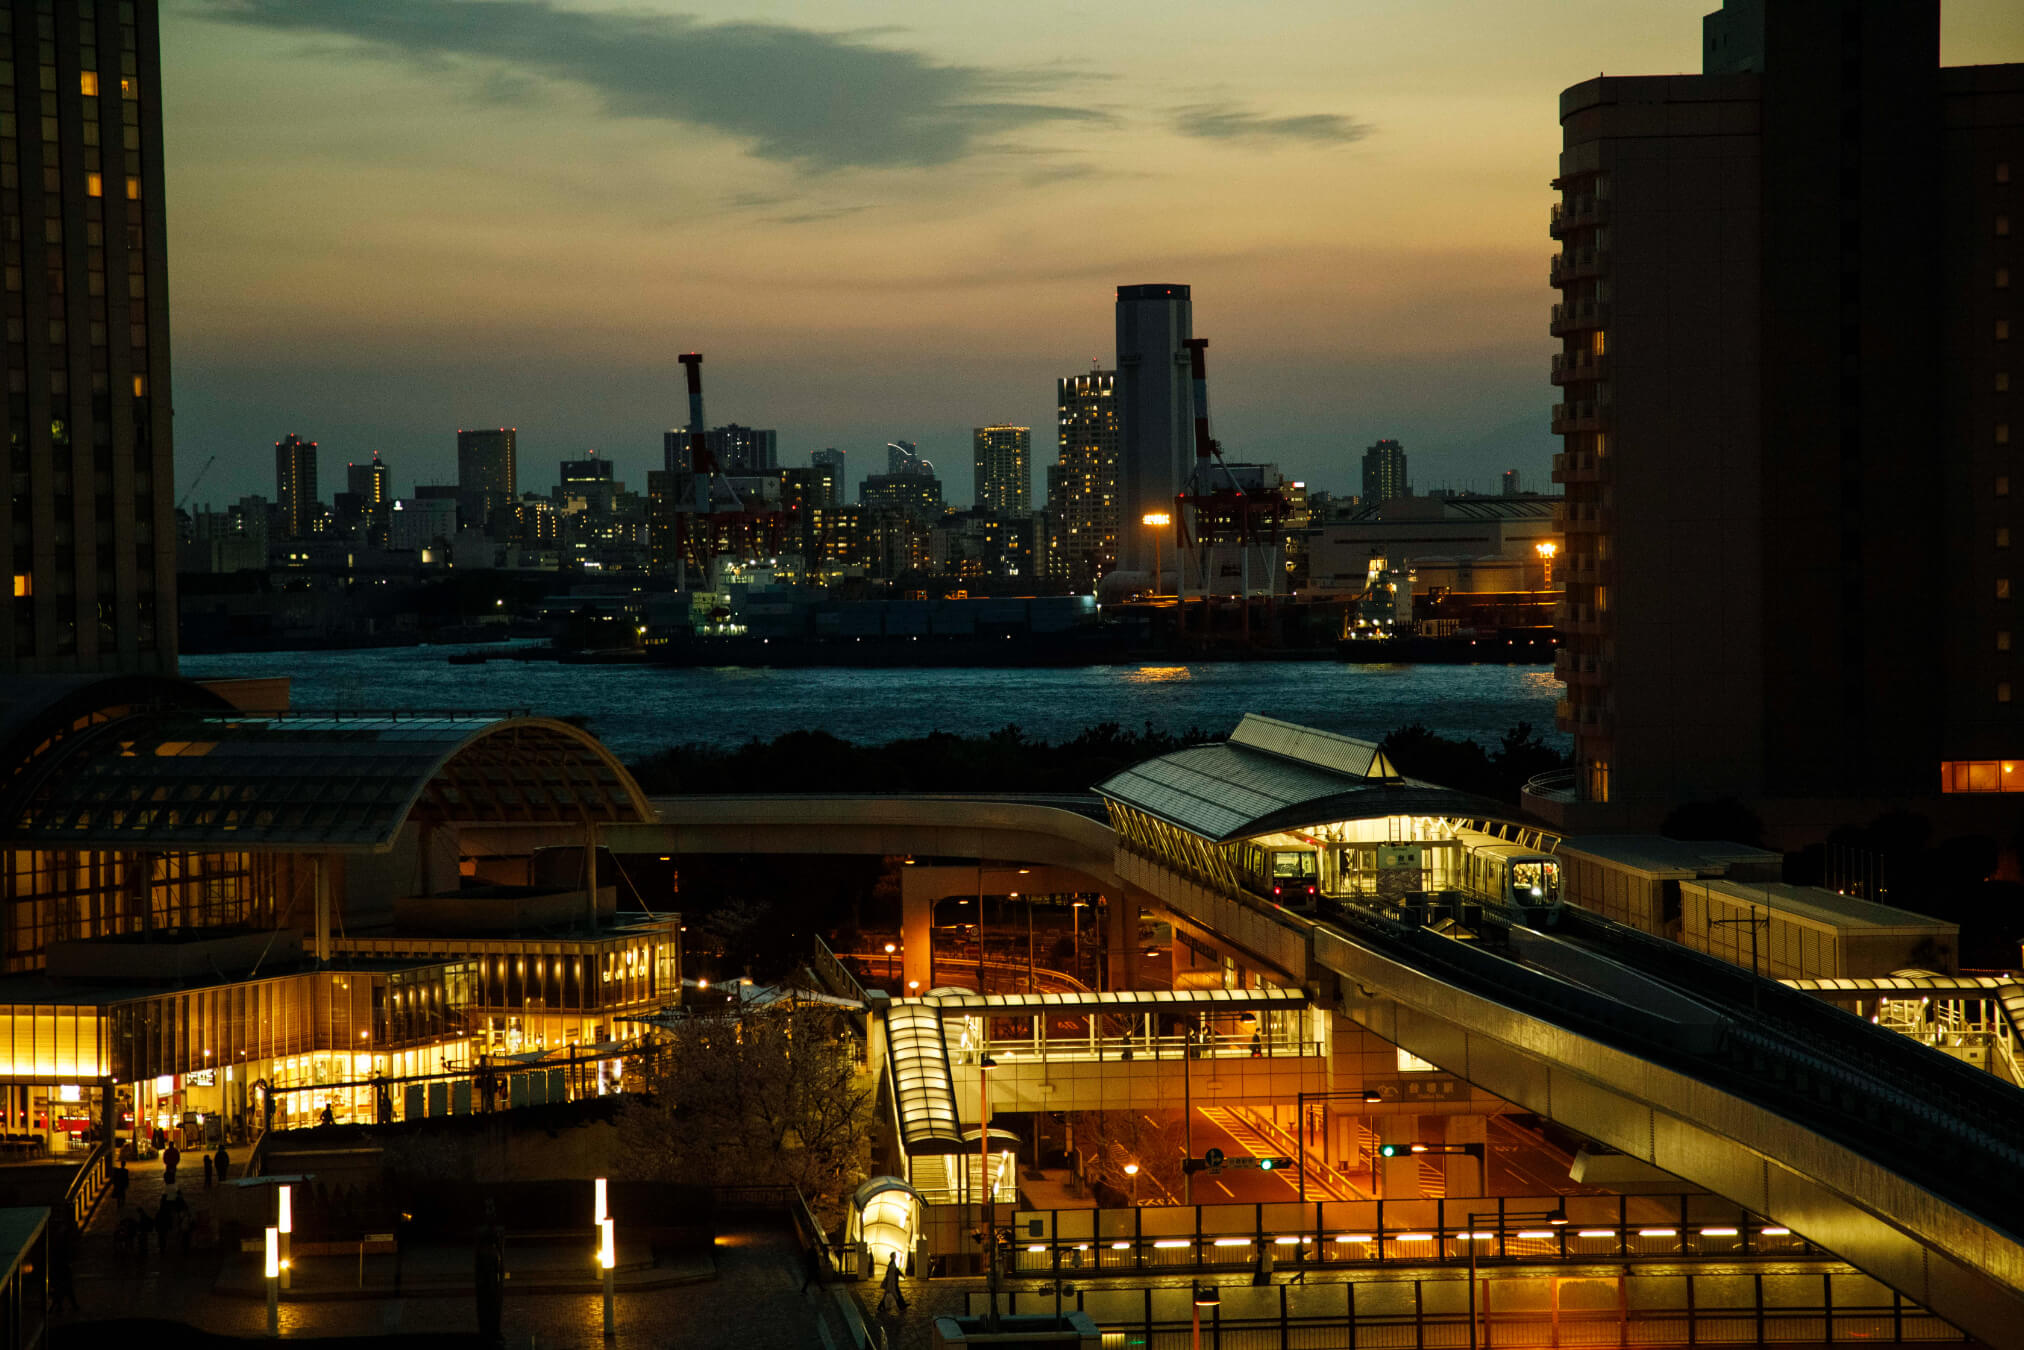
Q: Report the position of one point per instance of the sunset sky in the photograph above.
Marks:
(392, 218)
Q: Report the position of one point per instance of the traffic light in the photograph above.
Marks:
(1274, 1164)
(1401, 1150)
(1393, 1150)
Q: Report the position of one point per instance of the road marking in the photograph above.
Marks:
(1224, 1189)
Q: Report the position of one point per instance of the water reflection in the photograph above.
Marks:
(1159, 675)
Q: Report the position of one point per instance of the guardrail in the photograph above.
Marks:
(1602, 1309)
(89, 1185)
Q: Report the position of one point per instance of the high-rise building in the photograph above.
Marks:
(916, 494)
(739, 449)
(295, 485)
(1384, 473)
(1508, 484)
(1785, 321)
(488, 477)
(91, 527)
(1004, 469)
(1156, 397)
(904, 457)
(588, 480)
(675, 451)
(370, 483)
(832, 459)
(1082, 485)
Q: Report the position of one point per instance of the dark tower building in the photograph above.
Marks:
(1082, 483)
(295, 485)
(1156, 412)
(1785, 322)
(1384, 473)
(488, 476)
(90, 529)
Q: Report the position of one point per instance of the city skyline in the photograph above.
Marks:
(871, 265)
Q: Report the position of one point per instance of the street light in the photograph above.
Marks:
(890, 949)
(1157, 520)
(1205, 1297)
(1131, 1170)
(1556, 1217)
(1547, 548)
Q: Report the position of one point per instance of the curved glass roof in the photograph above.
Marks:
(922, 1085)
(1273, 775)
(193, 780)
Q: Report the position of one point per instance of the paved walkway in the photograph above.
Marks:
(756, 1299)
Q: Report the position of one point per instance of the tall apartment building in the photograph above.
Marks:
(1082, 485)
(370, 483)
(1785, 321)
(1003, 460)
(488, 477)
(1156, 409)
(904, 457)
(912, 494)
(295, 485)
(91, 526)
(832, 460)
(739, 449)
(1384, 473)
(589, 480)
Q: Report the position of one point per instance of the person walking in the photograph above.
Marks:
(210, 1171)
(121, 1179)
(224, 1165)
(171, 1156)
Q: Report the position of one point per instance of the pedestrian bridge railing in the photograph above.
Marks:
(1330, 1234)
(1592, 1306)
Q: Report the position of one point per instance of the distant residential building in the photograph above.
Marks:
(1384, 473)
(1509, 486)
(586, 485)
(740, 449)
(904, 457)
(1082, 485)
(1156, 414)
(92, 532)
(370, 483)
(832, 459)
(1003, 458)
(917, 495)
(801, 490)
(487, 474)
(675, 455)
(417, 523)
(295, 485)
(989, 545)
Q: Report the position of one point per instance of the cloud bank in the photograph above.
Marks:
(1227, 122)
(808, 99)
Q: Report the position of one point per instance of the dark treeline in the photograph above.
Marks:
(1007, 760)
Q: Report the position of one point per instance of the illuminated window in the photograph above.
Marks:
(2002, 588)
(1600, 345)
(94, 185)
(24, 585)
(87, 81)
(129, 87)
(1981, 775)
(134, 195)
(141, 391)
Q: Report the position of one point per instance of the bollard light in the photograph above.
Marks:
(602, 1212)
(607, 1250)
(285, 1213)
(273, 1253)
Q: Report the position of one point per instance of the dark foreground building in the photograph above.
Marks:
(1785, 319)
(89, 530)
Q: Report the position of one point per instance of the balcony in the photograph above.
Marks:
(1579, 367)
(1580, 212)
(1580, 416)
(1576, 316)
(1573, 264)
(1580, 466)
(1582, 668)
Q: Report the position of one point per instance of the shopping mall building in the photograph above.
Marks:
(220, 914)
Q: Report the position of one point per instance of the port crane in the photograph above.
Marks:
(194, 481)
(711, 519)
(1214, 508)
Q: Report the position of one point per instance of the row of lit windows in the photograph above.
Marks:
(1980, 775)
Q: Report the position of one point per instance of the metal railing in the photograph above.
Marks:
(86, 1188)
(1667, 1309)
(1340, 1234)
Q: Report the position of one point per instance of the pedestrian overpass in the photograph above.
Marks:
(1904, 1163)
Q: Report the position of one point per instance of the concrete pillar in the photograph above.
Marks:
(916, 942)
(322, 868)
(1464, 1172)
(1120, 939)
(1399, 1178)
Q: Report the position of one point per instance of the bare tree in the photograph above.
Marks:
(1155, 1140)
(768, 1096)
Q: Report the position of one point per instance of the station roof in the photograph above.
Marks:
(1818, 907)
(1660, 858)
(1273, 775)
(199, 779)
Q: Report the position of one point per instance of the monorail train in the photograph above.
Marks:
(1522, 885)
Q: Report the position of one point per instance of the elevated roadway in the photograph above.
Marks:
(1904, 1163)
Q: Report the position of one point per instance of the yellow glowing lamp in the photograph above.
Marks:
(273, 1253)
(1156, 518)
(284, 1214)
(602, 1212)
(607, 1245)
(1548, 549)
